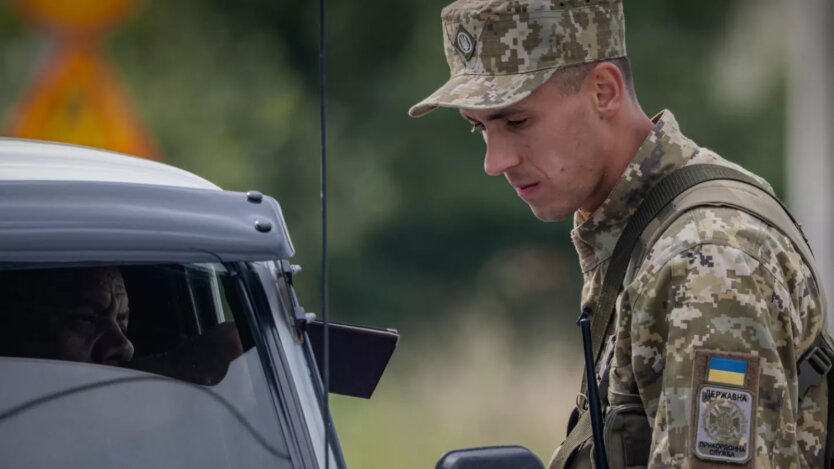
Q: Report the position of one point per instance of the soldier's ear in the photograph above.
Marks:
(607, 87)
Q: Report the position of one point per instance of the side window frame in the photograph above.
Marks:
(290, 309)
(336, 445)
(279, 375)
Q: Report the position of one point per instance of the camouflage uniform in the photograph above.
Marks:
(717, 279)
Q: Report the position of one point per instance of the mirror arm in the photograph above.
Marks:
(299, 317)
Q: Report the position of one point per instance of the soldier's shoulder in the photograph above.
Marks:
(725, 226)
(720, 225)
(712, 253)
(735, 231)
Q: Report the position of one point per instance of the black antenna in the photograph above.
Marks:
(594, 404)
(325, 296)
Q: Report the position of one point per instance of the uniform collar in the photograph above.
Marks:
(664, 150)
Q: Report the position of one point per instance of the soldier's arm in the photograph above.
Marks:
(711, 336)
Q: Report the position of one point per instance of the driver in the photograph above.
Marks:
(75, 314)
(81, 315)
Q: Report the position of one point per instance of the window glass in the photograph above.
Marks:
(132, 366)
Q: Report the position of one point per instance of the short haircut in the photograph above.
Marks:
(569, 79)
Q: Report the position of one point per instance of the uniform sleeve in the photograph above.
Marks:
(723, 305)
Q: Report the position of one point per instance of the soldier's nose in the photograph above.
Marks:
(499, 157)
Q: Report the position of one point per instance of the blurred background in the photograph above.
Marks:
(484, 295)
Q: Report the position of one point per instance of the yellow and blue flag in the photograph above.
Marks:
(724, 370)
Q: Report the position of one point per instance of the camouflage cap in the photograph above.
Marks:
(499, 51)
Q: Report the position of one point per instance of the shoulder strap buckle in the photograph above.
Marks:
(813, 367)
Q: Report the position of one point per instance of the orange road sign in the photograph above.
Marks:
(75, 16)
(76, 97)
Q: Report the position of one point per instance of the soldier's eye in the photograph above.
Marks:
(516, 123)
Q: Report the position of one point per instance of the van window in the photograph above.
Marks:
(132, 366)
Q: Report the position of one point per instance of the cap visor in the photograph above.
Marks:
(482, 91)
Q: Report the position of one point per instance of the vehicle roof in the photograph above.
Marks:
(34, 160)
(65, 203)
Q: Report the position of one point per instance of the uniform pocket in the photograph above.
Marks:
(627, 437)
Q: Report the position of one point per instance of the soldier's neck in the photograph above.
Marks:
(631, 131)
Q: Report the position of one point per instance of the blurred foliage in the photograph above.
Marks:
(419, 235)
(229, 91)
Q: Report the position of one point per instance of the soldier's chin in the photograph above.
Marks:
(550, 213)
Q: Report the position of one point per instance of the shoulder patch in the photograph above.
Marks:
(724, 403)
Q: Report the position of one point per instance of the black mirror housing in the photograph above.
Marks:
(358, 356)
(490, 457)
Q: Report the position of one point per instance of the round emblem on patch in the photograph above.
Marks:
(464, 43)
(724, 421)
(724, 417)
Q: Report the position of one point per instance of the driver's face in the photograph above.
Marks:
(81, 315)
(92, 326)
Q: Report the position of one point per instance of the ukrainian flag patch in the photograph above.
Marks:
(726, 370)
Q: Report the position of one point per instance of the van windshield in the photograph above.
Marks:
(132, 366)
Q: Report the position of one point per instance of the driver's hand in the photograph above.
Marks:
(202, 360)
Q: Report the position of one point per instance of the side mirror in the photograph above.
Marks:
(358, 356)
(490, 457)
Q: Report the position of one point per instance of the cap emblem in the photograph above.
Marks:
(464, 43)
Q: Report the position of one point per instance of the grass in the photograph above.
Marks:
(469, 384)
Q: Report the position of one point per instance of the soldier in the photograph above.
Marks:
(709, 326)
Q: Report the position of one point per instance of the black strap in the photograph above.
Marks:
(829, 435)
(824, 342)
(658, 197)
(814, 366)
